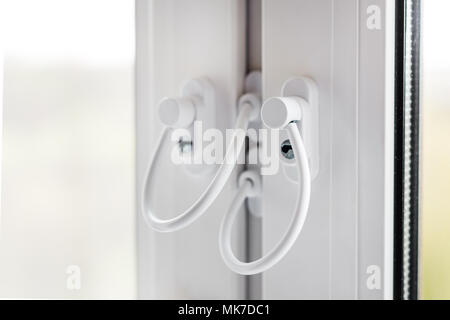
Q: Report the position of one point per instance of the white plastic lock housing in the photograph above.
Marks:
(196, 103)
(299, 101)
(177, 112)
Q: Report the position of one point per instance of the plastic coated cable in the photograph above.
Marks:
(212, 191)
(296, 225)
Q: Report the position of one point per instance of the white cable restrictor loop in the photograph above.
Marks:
(277, 113)
(248, 110)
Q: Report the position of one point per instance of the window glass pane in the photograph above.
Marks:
(68, 211)
(436, 152)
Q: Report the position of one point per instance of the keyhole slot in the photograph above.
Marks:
(286, 150)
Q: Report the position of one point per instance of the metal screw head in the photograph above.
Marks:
(286, 150)
(185, 145)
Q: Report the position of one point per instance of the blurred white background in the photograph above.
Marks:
(68, 149)
(435, 250)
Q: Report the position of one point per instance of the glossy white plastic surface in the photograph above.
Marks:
(345, 248)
